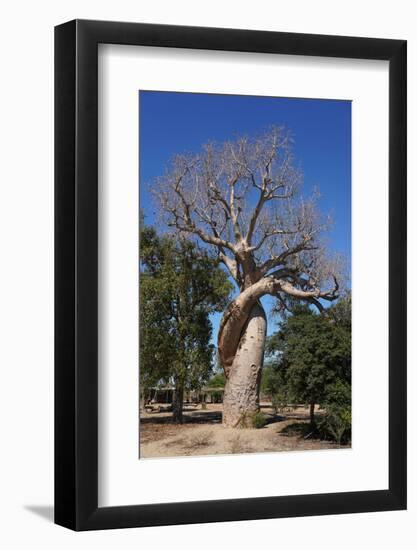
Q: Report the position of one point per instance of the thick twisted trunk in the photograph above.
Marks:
(235, 319)
(241, 344)
(241, 396)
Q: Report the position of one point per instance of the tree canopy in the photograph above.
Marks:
(310, 356)
(243, 198)
(180, 286)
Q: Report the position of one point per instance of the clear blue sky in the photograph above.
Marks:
(172, 123)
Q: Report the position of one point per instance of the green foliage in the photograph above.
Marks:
(341, 312)
(218, 380)
(336, 424)
(310, 362)
(338, 394)
(273, 384)
(258, 420)
(180, 286)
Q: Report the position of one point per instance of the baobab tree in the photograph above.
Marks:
(242, 198)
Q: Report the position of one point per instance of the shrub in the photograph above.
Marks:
(258, 420)
(237, 445)
(200, 439)
(337, 424)
(279, 402)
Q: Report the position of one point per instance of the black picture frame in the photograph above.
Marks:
(76, 272)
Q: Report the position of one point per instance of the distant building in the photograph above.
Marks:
(165, 394)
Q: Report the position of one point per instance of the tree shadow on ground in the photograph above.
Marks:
(300, 429)
(274, 419)
(213, 417)
(303, 430)
(196, 417)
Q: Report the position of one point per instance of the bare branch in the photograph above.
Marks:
(282, 258)
(242, 199)
(236, 314)
(233, 213)
(309, 295)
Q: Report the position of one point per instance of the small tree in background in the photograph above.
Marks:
(274, 382)
(218, 380)
(313, 360)
(180, 286)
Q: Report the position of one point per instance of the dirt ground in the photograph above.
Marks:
(202, 434)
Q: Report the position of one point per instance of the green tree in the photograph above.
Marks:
(336, 423)
(313, 357)
(180, 286)
(218, 380)
(274, 383)
(341, 311)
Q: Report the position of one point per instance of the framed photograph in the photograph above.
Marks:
(230, 285)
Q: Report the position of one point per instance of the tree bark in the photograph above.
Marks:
(177, 404)
(312, 419)
(243, 376)
(241, 343)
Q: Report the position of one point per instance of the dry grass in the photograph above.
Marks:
(200, 439)
(238, 445)
(202, 434)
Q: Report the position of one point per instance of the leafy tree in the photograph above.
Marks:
(218, 380)
(180, 286)
(274, 383)
(341, 311)
(314, 358)
(337, 420)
